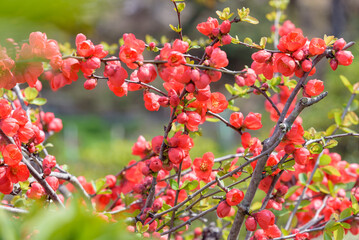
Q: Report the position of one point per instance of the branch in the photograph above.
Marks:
(225, 122)
(189, 220)
(179, 26)
(13, 210)
(268, 98)
(269, 145)
(176, 198)
(72, 179)
(330, 137)
(48, 189)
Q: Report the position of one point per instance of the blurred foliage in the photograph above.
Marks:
(20, 17)
(74, 222)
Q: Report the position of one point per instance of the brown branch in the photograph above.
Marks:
(225, 122)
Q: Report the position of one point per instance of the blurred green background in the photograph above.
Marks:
(100, 128)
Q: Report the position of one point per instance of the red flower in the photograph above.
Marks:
(284, 64)
(11, 154)
(234, 197)
(317, 46)
(253, 121)
(218, 58)
(18, 173)
(203, 166)
(5, 183)
(344, 58)
(10, 126)
(236, 119)
(292, 41)
(131, 50)
(206, 28)
(218, 102)
(223, 209)
(314, 87)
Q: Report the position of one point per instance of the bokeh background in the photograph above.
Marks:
(100, 128)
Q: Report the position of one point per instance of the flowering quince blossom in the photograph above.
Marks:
(162, 190)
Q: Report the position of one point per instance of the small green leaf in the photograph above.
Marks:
(327, 235)
(100, 184)
(291, 190)
(347, 130)
(181, 6)
(263, 42)
(355, 204)
(174, 184)
(303, 178)
(30, 93)
(250, 19)
(39, 101)
(212, 119)
(346, 83)
(324, 160)
(330, 129)
(353, 118)
(315, 148)
(338, 233)
(248, 41)
(230, 89)
(331, 170)
(331, 143)
(189, 185)
(346, 213)
(346, 225)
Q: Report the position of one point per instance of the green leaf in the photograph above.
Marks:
(212, 119)
(330, 129)
(30, 93)
(230, 89)
(324, 160)
(303, 178)
(329, 40)
(339, 233)
(176, 29)
(346, 225)
(347, 130)
(38, 101)
(327, 236)
(138, 226)
(318, 176)
(346, 83)
(323, 188)
(248, 41)
(355, 204)
(174, 184)
(108, 191)
(346, 213)
(263, 42)
(100, 184)
(291, 190)
(315, 148)
(181, 6)
(189, 185)
(353, 118)
(331, 170)
(331, 143)
(250, 19)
